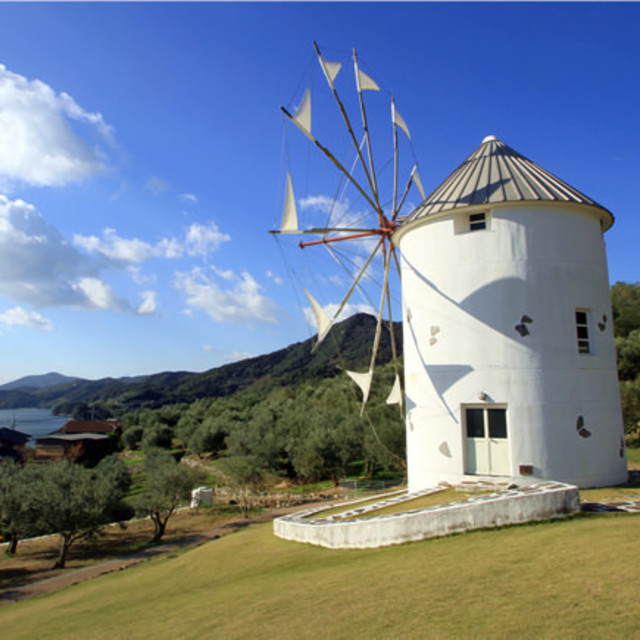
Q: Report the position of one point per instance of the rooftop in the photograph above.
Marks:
(495, 173)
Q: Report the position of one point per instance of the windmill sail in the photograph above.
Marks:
(395, 397)
(364, 82)
(323, 323)
(418, 182)
(330, 69)
(363, 380)
(290, 215)
(398, 120)
(302, 116)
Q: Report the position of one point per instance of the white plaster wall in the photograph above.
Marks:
(463, 295)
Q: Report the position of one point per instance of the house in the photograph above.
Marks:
(76, 446)
(80, 440)
(12, 443)
(103, 427)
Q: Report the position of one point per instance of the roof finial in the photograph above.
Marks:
(490, 139)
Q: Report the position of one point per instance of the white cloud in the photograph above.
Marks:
(169, 248)
(40, 268)
(114, 247)
(19, 317)
(207, 347)
(149, 303)
(338, 214)
(241, 302)
(225, 274)
(331, 308)
(141, 278)
(99, 295)
(199, 240)
(341, 215)
(202, 239)
(235, 356)
(156, 185)
(275, 278)
(38, 146)
(188, 197)
(37, 265)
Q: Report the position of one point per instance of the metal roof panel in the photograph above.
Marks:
(495, 173)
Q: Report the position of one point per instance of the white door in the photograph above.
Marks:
(487, 442)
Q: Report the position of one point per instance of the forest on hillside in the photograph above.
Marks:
(313, 430)
(293, 415)
(625, 302)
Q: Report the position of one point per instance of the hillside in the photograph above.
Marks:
(348, 345)
(251, 584)
(39, 381)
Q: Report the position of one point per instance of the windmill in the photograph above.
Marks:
(361, 175)
(509, 354)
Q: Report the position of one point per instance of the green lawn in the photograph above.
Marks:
(573, 578)
(633, 457)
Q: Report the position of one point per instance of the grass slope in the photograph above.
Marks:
(570, 578)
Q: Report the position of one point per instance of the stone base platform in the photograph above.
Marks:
(512, 506)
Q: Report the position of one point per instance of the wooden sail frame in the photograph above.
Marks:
(369, 190)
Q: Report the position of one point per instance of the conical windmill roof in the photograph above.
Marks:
(496, 173)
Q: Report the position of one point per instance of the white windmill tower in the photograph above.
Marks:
(509, 353)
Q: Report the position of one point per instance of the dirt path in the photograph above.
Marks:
(118, 564)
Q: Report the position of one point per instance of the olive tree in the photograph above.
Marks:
(70, 500)
(14, 523)
(168, 484)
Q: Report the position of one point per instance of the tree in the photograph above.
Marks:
(625, 304)
(70, 500)
(245, 475)
(13, 521)
(628, 355)
(630, 397)
(168, 485)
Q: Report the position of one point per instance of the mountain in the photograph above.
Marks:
(348, 345)
(38, 382)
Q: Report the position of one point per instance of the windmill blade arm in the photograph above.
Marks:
(347, 123)
(365, 124)
(376, 207)
(351, 290)
(394, 251)
(396, 394)
(323, 230)
(405, 193)
(376, 339)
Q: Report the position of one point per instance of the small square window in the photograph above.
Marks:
(475, 423)
(477, 221)
(582, 331)
(497, 423)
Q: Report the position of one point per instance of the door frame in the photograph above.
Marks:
(484, 406)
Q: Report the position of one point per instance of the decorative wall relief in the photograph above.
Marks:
(603, 324)
(583, 432)
(444, 449)
(522, 328)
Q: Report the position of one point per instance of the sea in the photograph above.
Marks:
(36, 422)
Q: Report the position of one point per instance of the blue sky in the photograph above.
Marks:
(141, 156)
